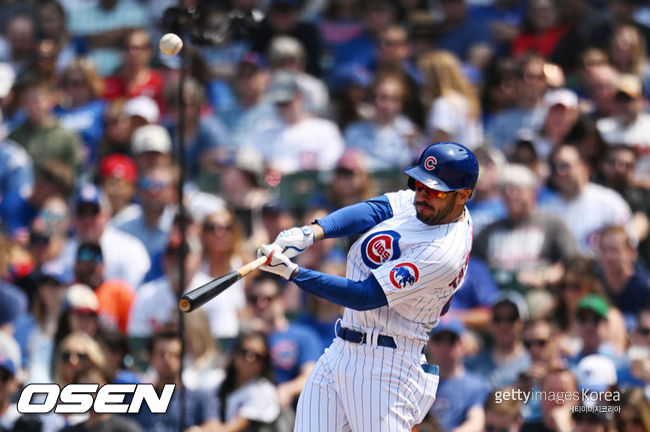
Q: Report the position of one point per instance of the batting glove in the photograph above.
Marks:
(294, 241)
(277, 262)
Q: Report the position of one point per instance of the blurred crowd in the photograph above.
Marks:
(293, 109)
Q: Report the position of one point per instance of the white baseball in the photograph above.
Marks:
(170, 44)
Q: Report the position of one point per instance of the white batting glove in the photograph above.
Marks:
(294, 241)
(278, 262)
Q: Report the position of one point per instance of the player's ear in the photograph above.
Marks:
(463, 195)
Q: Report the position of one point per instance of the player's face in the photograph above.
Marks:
(433, 210)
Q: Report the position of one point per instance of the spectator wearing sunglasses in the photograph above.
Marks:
(503, 416)
(156, 195)
(75, 351)
(247, 396)
(461, 394)
(502, 364)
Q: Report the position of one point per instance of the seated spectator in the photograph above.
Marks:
(200, 407)
(634, 415)
(600, 83)
(461, 33)
(556, 412)
(454, 111)
(585, 207)
(81, 110)
(636, 371)
(156, 301)
(117, 130)
(349, 88)
(204, 367)
(125, 257)
(80, 313)
(542, 29)
(247, 396)
(151, 146)
(52, 25)
(627, 284)
(389, 139)
(152, 224)
(222, 239)
(20, 37)
(8, 390)
(75, 351)
(527, 243)
(92, 374)
(206, 138)
(504, 415)
(561, 117)
(461, 394)
(628, 52)
(41, 126)
(628, 122)
(114, 296)
(117, 177)
(502, 364)
(115, 346)
(299, 141)
(294, 347)
(339, 25)
(486, 203)
(16, 167)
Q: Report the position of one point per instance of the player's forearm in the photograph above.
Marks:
(356, 218)
(358, 295)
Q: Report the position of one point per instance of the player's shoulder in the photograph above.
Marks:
(401, 200)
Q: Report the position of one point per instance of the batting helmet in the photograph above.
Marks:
(445, 166)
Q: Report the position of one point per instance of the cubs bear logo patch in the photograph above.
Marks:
(380, 247)
(404, 274)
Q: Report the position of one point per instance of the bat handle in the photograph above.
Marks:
(251, 266)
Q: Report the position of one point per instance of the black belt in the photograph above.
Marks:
(358, 337)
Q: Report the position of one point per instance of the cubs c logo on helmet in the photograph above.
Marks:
(404, 274)
(380, 247)
(430, 163)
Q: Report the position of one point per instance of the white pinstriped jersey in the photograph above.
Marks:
(418, 266)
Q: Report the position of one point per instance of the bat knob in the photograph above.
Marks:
(184, 305)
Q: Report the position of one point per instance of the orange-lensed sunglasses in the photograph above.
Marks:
(432, 193)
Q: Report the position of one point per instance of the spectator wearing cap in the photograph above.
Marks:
(287, 54)
(629, 123)
(8, 389)
(35, 330)
(299, 141)
(528, 244)
(350, 86)
(125, 257)
(502, 364)
(454, 112)
(81, 109)
(41, 134)
(151, 146)
(592, 316)
(18, 209)
(389, 139)
(283, 18)
(141, 110)
(461, 394)
(561, 117)
(152, 224)
(114, 296)
(529, 111)
(585, 207)
(117, 177)
(80, 313)
(156, 301)
(206, 138)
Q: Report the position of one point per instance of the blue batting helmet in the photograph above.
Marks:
(445, 166)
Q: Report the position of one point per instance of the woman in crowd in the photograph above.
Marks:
(634, 415)
(203, 365)
(75, 351)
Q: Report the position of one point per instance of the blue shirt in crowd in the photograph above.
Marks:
(291, 349)
(456, 396)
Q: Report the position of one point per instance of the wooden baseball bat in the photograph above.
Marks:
(197, 297)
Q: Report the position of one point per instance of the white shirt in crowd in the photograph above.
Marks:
(257, 400)
(451, 114)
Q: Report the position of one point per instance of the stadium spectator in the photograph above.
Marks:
(349, 95)
(75, 351)
(461, 394)
(541, 30)
(634, 415)
(460, 33)
(52, 26)
(247, 396)
(486, 204)
(222, 238)
(585, 207)
(500, 366)
(389, 139)
(125, 257)
(8, 389)
(339, 25)
(200, 407)
(21, 42)
(562, 116)
(600, 81)
(636, 373)
(115, 346)
(299, 141)
(151, 146)
(504, 415)
(204, 366)
(527, 243)
(16, 167)
(628, 53)
(117, 130)
(556, 412)
(117, 178)
(452, 103)
(41, 126)
(294, 347)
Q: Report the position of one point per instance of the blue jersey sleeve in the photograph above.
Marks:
(356, 218)
(361, 295)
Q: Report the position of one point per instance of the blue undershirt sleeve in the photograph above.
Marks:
(356, 218)
(362, 295)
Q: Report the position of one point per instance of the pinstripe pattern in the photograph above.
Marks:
(374, 388)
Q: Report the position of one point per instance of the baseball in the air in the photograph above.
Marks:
(170, 44)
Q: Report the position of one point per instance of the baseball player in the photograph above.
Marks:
(402, 272)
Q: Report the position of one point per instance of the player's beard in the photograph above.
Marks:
(432, 216)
